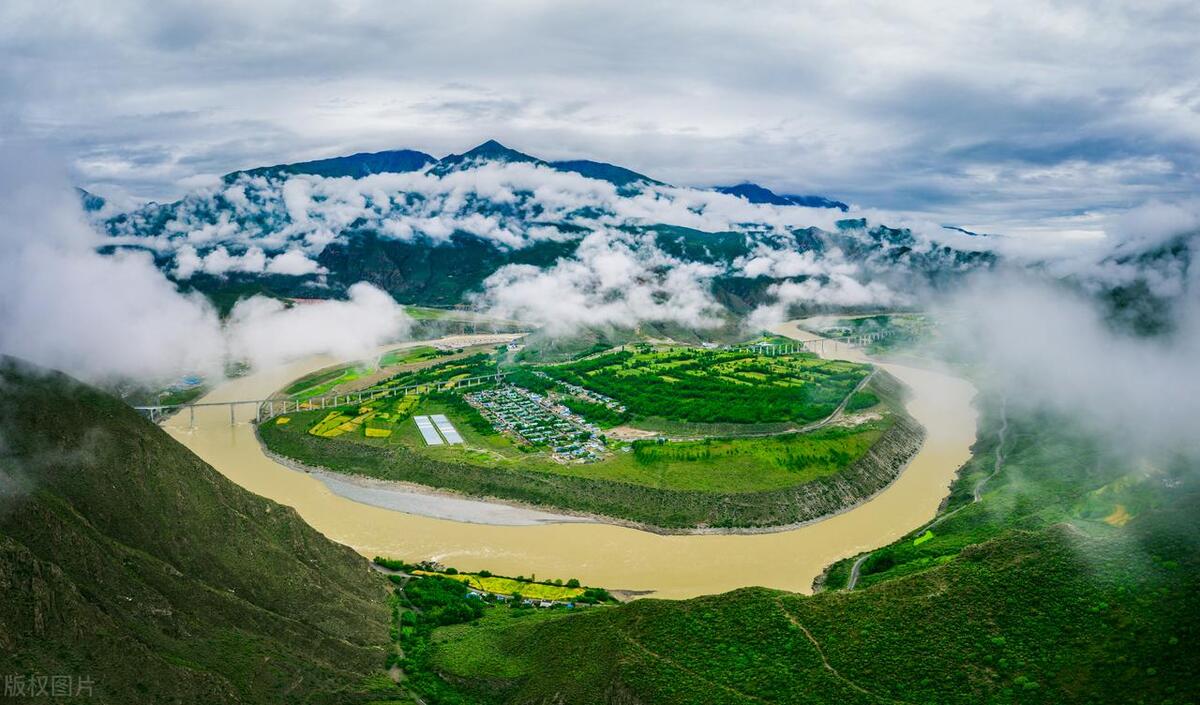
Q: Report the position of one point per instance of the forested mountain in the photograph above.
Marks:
(135, 570)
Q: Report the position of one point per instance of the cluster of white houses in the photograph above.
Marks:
(540, 421)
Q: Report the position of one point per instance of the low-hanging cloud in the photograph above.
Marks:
(265, 332)
(1050, 346)
(613, 279)
(66, 306)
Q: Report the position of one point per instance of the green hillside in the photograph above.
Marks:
(1073, 580)
(1046, 617)
(127, 561)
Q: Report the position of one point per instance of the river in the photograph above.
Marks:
(616, 557)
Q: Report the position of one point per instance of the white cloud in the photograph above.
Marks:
(293, 263)
(1051, 347)
(509, 204)
(266, 332)
(831, 290)
(824, 102)
(64, 305)
(1152, 223)
(613, 279)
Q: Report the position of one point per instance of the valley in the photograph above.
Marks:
(599, 353)
(597, 553)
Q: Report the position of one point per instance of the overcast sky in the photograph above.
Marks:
(1006, 117)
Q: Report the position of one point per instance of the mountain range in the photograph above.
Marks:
(452, 230)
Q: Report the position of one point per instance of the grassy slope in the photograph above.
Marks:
(126, 558)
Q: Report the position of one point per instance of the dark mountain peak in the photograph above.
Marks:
(396, 161)
(760, 194)
(617, 175)
(753, 193)
(492, 151)
(91, 202)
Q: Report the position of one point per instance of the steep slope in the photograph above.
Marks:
(617, 175)
(126, 560)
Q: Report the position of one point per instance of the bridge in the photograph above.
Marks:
(813, 345)
(266, 409)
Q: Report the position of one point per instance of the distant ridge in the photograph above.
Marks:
(759, 194)
(355, 165)
(611, 173)
(409, 160)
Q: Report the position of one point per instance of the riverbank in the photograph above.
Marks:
(603, 554)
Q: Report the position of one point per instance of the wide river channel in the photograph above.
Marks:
(511, 541)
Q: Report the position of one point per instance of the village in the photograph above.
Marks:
(541, 421)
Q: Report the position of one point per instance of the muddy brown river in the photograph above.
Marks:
(511, 542)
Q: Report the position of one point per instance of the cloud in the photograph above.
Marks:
(65, 306)
(613, 279)
(511, 205)
(265, 332)
(1153, 223)
(1050, 347)
(293, 263)
(1070, 108)
(831, 290)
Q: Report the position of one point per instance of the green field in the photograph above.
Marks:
(682, 493)
(407, 356)
(725, 465)
(323, 381)
(903, 331)
(511, 586)
(715, 386)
